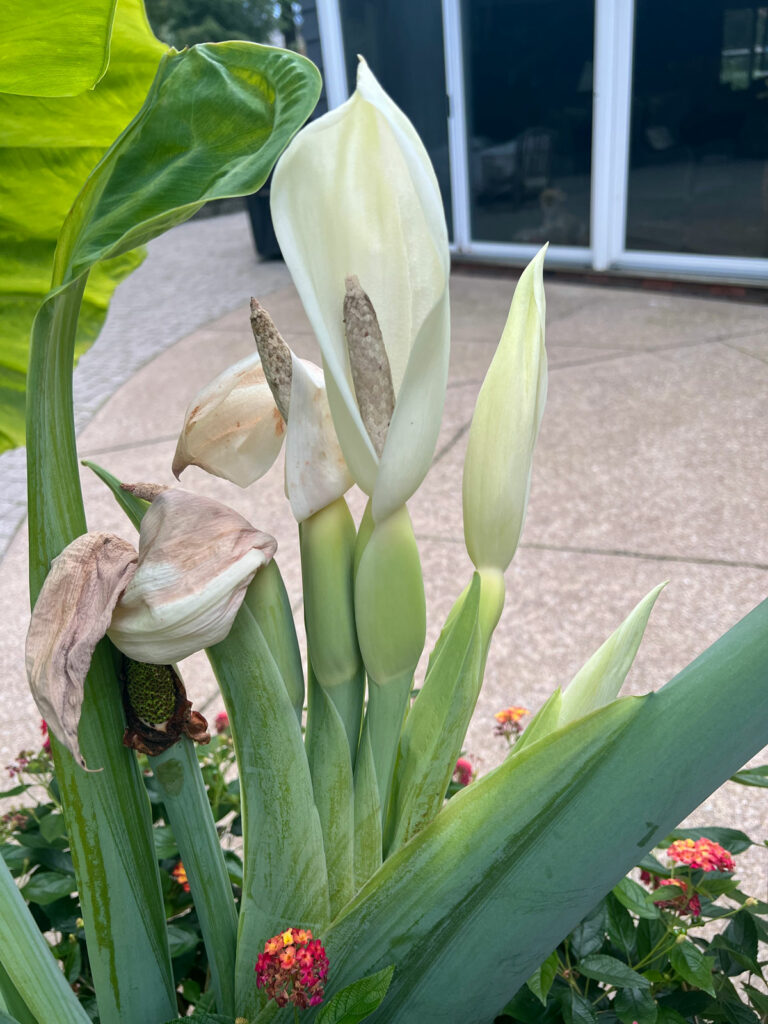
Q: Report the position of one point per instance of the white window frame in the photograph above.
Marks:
(612, 108)
(463, 243)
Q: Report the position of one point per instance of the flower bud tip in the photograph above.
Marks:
(369, 362)
(148, 492)
(275, 356)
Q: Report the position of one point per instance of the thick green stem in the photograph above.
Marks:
(106, 811)
(368, 844)
(269, 604)
(180, 781)
(331, 768)
(387, 705)
(327, 541)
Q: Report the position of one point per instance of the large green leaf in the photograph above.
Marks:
(214, 122)
(285, 882)
(437, 723)
(62, 53)
(29, 963)
(48, 146)
(479, 898)
(600, 680)
(180, 782)
(12, 1003)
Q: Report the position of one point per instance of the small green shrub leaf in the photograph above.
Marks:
(578, 1010)
(620, 926)
(355, 1002)
(692, 966)
(752, 776)
(45, 887)
(634, 897)
(635, 1006)
(540, 982)
(667, 1015)
(605, 968)
(587, 936)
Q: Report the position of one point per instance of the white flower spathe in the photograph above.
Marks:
(355, 194)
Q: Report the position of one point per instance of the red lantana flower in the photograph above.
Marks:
(180, 874)
(463, 772)
(683, 903)
(701, 854)
(46, 737)
(221, 722)
(293, 968)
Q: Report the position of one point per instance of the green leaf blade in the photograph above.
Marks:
(48, 147)
(597, 790)
(357, 1001)
(437, 723)
(692, 965)
(180, 782)
(285, 881)
(635, 898)
(34, 61)
(608, 969)
(27, 959)
(600, 680)
(176, 155)
(540, 982)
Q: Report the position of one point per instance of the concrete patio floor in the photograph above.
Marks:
(651, 466)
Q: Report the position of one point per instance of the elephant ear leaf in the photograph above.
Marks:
(61, 54)
(48, 147)
(213, 123)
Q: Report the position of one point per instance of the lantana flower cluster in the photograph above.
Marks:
(698, 855)
(463, 772)
(701, 854)
(509, 722)
(179, 873)
(683, 903)
(293, 968)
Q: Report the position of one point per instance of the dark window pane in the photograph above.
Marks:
(403, 44)
(528, 79)
(698, 179)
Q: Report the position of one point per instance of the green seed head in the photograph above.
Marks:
(151, 691)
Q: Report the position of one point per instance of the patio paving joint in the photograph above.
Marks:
(646, 556)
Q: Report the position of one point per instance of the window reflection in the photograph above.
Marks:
(528, 82)
(403, 43)
(698, 178)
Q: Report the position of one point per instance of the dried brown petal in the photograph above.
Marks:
(71, 615)
(196, 558)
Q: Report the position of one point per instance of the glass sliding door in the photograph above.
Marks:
(698, 166)
(528, 95)
(403, 44)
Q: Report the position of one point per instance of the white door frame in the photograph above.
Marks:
(612, 106)
(558, 255)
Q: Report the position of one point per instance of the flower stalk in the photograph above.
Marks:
(390, 612)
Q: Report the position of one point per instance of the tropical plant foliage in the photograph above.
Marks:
(50, 144)
(345, 833)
